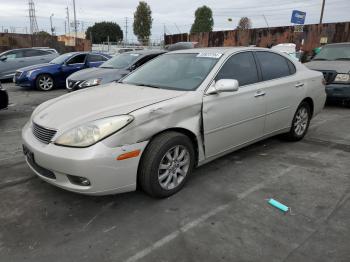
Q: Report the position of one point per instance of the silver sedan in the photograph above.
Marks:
(179, 111)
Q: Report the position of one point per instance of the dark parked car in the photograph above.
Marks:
(4, 98)
(14, 59)
(334, 62)
(53, 74)
(111, 70)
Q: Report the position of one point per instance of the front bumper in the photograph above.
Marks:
(23, 81)
(97, 163)
(338, 91)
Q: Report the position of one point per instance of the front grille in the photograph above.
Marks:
(18, 74)
(329, 75)
(43, 134)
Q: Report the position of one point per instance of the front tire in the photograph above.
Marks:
(166, 164)
(45, 82)
(300, 123)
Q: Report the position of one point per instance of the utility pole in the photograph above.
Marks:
(126, 30)
(321, 17)
(67, 10)
(75, 24)
(65, 27)
(52, 29)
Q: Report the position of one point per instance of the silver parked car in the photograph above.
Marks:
(14, 59)
(176, 112)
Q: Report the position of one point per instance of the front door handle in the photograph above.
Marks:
(259, 93)
(299, 85)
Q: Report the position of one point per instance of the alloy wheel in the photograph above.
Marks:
(173, 167)
(301, 121)
(45, 83)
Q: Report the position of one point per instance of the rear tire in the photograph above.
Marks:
(45, 82)
(166, 164)
(300, 123)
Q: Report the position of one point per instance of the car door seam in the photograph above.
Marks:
(233, 124)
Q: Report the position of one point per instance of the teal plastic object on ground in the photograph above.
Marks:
(278, 205)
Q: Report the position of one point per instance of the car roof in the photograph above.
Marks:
(221, 50)
(146, 52)
(86, 52)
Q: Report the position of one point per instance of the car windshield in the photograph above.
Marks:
(120, 61)
(61, 59)
(334, 52)
(178, 71)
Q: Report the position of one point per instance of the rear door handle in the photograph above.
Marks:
(299, 85)
(259, 93)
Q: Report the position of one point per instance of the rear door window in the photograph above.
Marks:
(273, 65)
(241, 67)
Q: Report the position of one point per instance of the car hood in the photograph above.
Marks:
(91, 73)
(90, 104)
(339, 66)
(36, 67)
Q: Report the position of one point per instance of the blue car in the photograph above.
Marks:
(47, 76)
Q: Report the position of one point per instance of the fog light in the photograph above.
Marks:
(78, 180)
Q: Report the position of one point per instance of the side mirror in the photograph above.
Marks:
(224, 85)
(4, 58)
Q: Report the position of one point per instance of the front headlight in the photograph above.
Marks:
(91, 82)
(342, 78)
(29, 73)
(92, 132)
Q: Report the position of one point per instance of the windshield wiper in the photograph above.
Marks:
(109, 67)
(139, 84)
(153, 86)
(319, 59)
(343, 58)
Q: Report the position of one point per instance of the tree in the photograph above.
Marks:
(143, 22)
(101, 31)
(42, 33)
(244, 23)
(203, 21)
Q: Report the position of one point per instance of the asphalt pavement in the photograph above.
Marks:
(222, 213)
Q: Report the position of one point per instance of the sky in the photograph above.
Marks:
(175, 16)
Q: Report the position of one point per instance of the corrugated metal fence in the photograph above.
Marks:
(266, 37)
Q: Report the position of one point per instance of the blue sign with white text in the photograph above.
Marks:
(298, 17)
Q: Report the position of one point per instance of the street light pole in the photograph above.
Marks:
(321, 17)
(52, 29)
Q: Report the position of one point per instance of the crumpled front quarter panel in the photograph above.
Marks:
(180, 112)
